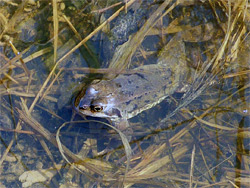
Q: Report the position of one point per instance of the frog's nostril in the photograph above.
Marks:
(84, 107)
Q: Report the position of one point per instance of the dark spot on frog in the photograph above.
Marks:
(127, 103)
(135, 106)
(118, 84)
(139, 97)
(128, 93)
(147, 88)
(141, 76)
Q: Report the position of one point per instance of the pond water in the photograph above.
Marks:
(197, 135)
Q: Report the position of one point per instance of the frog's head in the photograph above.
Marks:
(97, 101)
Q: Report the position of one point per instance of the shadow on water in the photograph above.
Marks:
(198, 136)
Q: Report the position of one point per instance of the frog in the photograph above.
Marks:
(129, 94)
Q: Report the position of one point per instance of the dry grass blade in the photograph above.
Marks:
(219, 48)
(218, 60)
(3, 20)
(155, 165)
(94, 32)
(49, 137)
(192, 168)
(11, 78)
(214, 168)
(72, 50)
(233, 184)
(31, 57)
(103, 70)
(173, 27)
(21, 60)
(125, 143)
(51, 112)
(11, 23)
(76, 33)
(9, 64)
(16, 131)
(124, 54)
(193, 123)
(24, 94)
(55, 25)
(107, 8)
(60, 147)
(236, 74)
(80, 38)
(50, 155)
(244, 134)
(124, 139)
(51, 84)
(221, 183)
(230, 28)
(212, 4)
(36, 54)
(76, 165)
(72, 27)
(211, 124)
(205, 162)
(4, 155)
(154, 152)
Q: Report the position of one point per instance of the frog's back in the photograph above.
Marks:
(152, 83)
(146, 88)
(127, 95)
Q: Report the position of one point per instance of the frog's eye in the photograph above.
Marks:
(97, 108)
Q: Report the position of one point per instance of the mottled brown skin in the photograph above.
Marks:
(127, 95)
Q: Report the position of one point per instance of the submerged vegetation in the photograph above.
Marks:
(50, 50)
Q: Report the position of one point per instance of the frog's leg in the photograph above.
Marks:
(123, 126)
